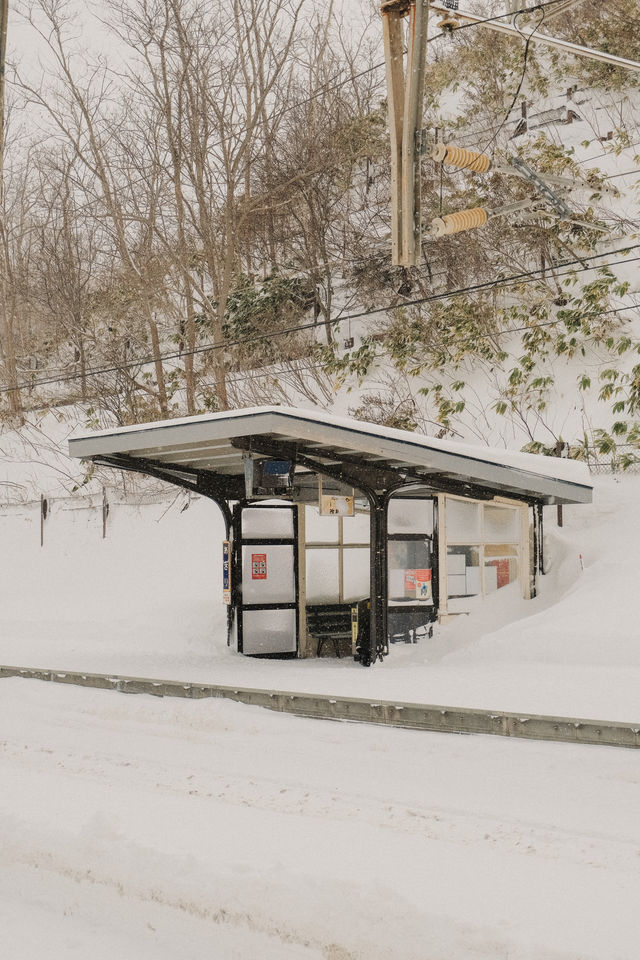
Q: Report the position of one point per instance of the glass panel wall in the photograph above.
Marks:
(337, 557)
(464, 521)
(409, 570)
(483, 550)
(268, 573)
(355, 574)
(323, 576)
(463, 571)
(321, 529)
(500, 566)
(407, 515)
(501, 524)
(267, 522)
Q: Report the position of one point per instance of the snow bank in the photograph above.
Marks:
(146, 601)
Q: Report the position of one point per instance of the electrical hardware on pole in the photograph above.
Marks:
(405, 96)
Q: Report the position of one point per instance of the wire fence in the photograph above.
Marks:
(624, 460)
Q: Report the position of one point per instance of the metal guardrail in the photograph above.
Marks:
(413, 716)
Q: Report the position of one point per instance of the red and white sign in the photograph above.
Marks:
(417, 583)
(258, 566)
(423, 585)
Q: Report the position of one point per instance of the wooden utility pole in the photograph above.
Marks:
(7, 346)
(4, 17)
(405, 96)
(562, 450)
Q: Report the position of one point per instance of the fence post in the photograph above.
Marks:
(105, 512)
(44, 509)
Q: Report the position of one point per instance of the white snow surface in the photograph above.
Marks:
(141, 828)
(147, 601)
(146, 829)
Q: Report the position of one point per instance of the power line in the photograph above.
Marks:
(270, 372)
(526, 277)
(330, 85)
(522, 77)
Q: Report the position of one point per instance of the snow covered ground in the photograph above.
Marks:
(146, 601)
(141, 828)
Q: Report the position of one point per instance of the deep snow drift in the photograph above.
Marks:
(146, 601)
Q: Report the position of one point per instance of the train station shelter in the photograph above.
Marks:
(344, 536)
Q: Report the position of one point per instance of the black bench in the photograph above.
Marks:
(329, 622)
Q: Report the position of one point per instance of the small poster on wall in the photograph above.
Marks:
(258, 566)
(410, 583)
(423, 585)
(336, 506)
(417, 583)
(226, 571)
(330, 505)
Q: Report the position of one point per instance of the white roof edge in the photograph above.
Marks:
(561, 469)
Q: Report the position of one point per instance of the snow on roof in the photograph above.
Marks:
(562, 469)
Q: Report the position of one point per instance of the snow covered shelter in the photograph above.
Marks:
(347, 536)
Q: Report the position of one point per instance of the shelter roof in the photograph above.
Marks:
(317, 442)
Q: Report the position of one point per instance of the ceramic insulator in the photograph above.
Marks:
(457, 222)
(458, 157)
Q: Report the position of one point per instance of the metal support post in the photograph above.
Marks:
(378, 639)
(540, 538)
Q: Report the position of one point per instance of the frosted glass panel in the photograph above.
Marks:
(356, 574)
(501, 524)
(463, 521)
(322, 576)
(456, 585)
(268, 631)
(320, 529)
(356, 529)
(474, 581)
(264, 522)
(267, 573)
(463, 572)
(410, 516)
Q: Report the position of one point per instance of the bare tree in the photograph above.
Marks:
(214, 81)
(7, 302)
(81, 111)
